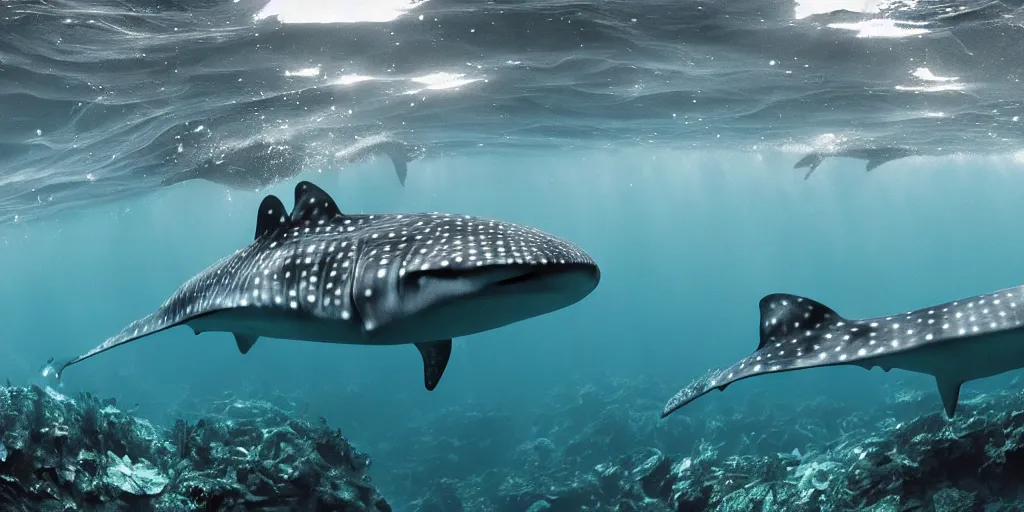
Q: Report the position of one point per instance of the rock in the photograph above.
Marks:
(73, 454)
(953, 500)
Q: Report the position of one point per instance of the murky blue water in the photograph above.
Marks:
(660, 136)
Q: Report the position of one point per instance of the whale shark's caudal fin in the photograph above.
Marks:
(812, 161)
(140, 328)
(790, 340)
(272, 215)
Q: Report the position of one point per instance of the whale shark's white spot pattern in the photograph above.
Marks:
(835, 340)
(321, 264)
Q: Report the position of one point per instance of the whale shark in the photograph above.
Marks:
(954, 342)
(262, 164)
(874, 156)
(317, 274)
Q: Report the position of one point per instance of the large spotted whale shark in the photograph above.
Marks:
(318, 274)
(955, 342)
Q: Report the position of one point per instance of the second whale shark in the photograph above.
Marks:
(874, 156)
(954, 342)
(261, 164)
(317, 274)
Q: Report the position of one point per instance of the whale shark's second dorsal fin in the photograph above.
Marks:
(313, 204)
(271, 216)
(784, 315)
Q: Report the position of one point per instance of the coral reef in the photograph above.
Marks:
(600, 455)
(58, 453)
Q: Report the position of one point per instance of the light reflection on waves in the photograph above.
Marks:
(103, 98)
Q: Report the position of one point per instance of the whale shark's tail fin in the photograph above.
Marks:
(140, 328)
(400, 158)
(792, 337)
(812, 161)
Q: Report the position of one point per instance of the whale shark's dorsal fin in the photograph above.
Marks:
(784, 315)
(313, 204)
(271, 216)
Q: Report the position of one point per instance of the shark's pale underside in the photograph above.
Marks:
(954, 342)
(318, 274)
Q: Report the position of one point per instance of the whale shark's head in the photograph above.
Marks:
(437, 276)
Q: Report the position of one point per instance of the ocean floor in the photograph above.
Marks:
(600, 453)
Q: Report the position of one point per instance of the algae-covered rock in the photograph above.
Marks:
(83, 454)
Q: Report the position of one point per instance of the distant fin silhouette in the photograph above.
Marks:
(400, 158)
(812, 161)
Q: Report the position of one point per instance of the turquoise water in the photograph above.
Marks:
(687, 243)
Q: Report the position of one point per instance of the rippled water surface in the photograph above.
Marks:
(103, 99)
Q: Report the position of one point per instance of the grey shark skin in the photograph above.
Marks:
(955, 342)
(263, 164)
(874, 156)
(399, 152)
(317, 274)
(251, 167)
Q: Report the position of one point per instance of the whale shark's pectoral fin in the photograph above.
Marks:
(244, 342)
(796, 333)
(875, 162)
(271, 216)
(949, 391)
(435, 360)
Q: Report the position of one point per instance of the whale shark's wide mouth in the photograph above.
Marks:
(507, 276)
